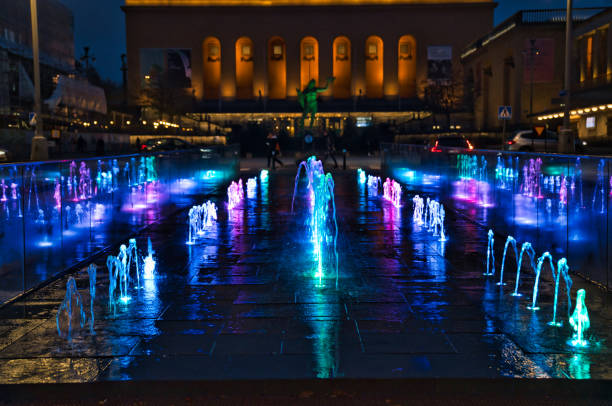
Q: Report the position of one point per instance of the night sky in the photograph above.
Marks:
(101, 25)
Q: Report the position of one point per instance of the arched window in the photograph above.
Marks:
(309, 61)
(212, 67)
(244, 68)
(277, 68)
(406, 66)
(342, 68)
(374, 67)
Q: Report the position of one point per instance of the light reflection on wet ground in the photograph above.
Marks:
(243, 303)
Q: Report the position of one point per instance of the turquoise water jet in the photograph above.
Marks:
(71, 307)
(321, 193)
(490, 255)
(562, 270)
(536, 284)
(509, 240)
(531, 253)
(579, 320)
(91, 272)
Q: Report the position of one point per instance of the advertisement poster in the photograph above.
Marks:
(439, 63)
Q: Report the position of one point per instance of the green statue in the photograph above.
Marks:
(307, 99)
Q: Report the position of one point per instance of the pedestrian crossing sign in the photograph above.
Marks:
(504, 112)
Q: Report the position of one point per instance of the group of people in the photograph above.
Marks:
(273, 148)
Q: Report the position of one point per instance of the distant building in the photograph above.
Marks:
(591, 96)
(56, 36)
(520, 63)
(251, 56)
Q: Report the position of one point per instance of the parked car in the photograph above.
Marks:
(165, 144)
(453, 144)
(530, 141)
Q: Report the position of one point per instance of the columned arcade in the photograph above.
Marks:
(235, 51)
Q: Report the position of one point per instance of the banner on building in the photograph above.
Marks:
(539, 55)
(439, 63)
(169, 67)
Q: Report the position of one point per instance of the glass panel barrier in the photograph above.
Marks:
(558, 203)
(54, 215)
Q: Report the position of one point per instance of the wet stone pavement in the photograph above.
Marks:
(243, 303)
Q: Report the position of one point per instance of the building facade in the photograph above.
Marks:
(240, 54)
(592, 88)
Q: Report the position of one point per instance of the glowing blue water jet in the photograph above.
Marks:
(490, 255)
(321, 192)
(526, 247)
(536, 284)
(91, 272)
(66, 311)
(509, 241)
(562, 271)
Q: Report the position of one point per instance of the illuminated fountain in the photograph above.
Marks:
(235, 194)
(438, 223)
(123, 274)
(132, 258)
(112, 265)
(200, 219)
(392, 191)
(536, 284)
(490, 255)
(3, 187)
(598, 192)
(312, 167)
(509, 241)
(361, 176)
(321, 193)
(579, 320)
(526, 248)
(70, 310)
(562, 271)
(149, 263)
(263, 175)
(417, 215)
(532, 172)
(91, 273)
(251, 187)
(374, 183)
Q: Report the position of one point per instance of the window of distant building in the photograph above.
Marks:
(341, 88)
(589, 57)
(372, 51)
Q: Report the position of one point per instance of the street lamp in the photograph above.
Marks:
(566, 137)
(39, 150)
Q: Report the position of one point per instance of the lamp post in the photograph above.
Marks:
(39, 150)
(124, 77)
(566, 136)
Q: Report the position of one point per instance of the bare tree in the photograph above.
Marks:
(446, 96)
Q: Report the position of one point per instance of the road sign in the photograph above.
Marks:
(539, 129)
(32, 118)
(504, 112)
